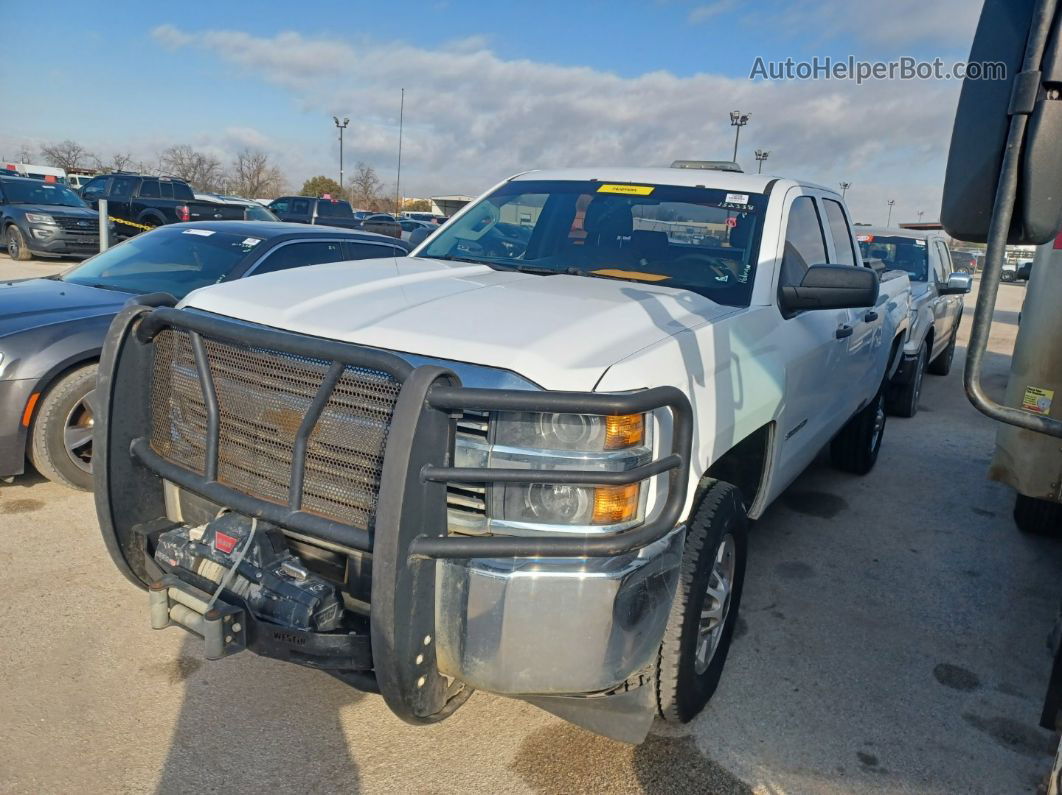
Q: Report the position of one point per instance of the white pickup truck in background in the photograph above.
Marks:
(531, 448)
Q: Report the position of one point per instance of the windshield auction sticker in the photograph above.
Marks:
(627, 190)
(1038, 400)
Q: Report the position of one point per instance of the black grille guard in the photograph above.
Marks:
(410, 524)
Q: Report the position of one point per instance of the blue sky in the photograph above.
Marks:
(491, 88)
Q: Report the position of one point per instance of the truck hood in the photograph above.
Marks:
(58, 209)
(33, 303)
(559, 331)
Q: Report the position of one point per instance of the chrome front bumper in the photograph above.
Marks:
(555, 626)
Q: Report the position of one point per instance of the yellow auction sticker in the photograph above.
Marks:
(629, 190)
(1038, 400)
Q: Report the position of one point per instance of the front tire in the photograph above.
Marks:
(61, 439)
(942, 364)
(1037, 517)
(855, 449)
(16, 245)
(704, 611)
(903, 398)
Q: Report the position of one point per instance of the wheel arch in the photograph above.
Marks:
(745, 465)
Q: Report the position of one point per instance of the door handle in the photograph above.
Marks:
(870, 316)
(843, 331)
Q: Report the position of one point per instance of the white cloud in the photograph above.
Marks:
(705, 11)
(473, 117)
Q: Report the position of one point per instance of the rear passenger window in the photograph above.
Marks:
(370, 251)
(149, 189)
(804, 243)
(182, 191)
(842, 239)
(295, 255)
(300, 207)
(166, 189)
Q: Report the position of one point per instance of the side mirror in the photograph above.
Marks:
(959, 283)
(832, 287)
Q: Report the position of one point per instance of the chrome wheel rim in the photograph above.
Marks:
(879, 422)
(77, 433)
(12, 245)
(716, 605)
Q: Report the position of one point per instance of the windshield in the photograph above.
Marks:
(174, 261)
(898, 253)
(256, 212)
(699, 239)
(18, 192)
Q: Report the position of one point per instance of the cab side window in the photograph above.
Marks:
(295, 255)
(122, 187)
(945, 261)
(300, 207)
(95, 188)
(149, 189)
(843, 246)
(804, 242)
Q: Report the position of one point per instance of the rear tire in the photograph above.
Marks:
(704, 611)
(942, 364)
(16, 245)
(902, 399)
(855, 448)
(61, 440)
(1037, 517)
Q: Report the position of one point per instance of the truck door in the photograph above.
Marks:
(300, 211)
(866, 348)
(119, 196)
(946, 311)
(815, 345)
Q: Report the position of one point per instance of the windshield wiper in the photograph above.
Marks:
(503, 265)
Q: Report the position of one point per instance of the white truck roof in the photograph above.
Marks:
(691, 177)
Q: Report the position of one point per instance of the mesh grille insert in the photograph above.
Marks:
(263, 396)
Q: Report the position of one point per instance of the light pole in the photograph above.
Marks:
(761, 155)
(889, 221)
(920, 214)
(844, 188)
(737, 121)
(341, 127)
(398, 179)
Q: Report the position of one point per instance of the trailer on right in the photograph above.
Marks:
(1004, 168)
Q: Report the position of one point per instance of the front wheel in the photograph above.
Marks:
(903, 398)
(855, 449)
(61, 440)
(16, 245)
(942, 364)
(701, 625)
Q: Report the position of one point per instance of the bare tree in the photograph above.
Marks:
(365, 187)
(119, 162)
(198, 169)
(25, 154)
(254, 176)
(67, 155)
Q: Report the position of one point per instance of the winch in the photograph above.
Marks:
(251, 559)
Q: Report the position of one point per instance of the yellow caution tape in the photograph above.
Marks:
(145, 227)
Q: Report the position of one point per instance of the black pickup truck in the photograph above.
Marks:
(137, 201)
(309, 210)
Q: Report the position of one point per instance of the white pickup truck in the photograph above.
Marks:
(522, 459)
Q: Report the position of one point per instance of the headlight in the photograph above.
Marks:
(40, 218)
(593, 443)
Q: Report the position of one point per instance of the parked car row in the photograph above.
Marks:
(52, 329)
(334, 212)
